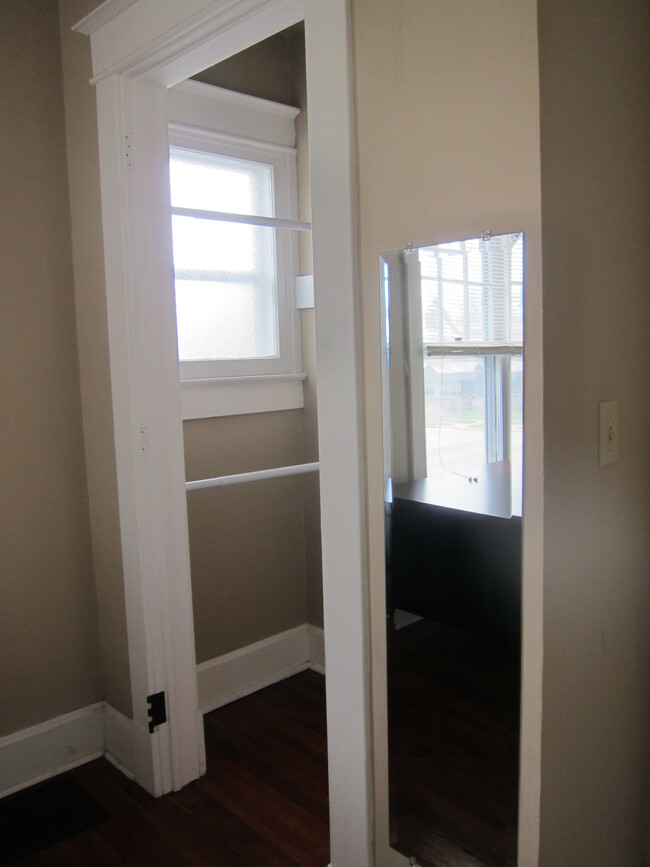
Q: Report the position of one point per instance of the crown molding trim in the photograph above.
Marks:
(176, 50)
(102, 15)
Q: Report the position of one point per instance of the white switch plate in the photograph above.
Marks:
(305, 291)
(607, 432)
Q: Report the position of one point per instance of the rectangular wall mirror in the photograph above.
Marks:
(452, 329)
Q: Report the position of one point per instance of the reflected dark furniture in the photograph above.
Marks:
(455, 551)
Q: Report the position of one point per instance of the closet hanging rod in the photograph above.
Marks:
(247, 219)
(256, 475)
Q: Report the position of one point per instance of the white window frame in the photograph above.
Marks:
(496, 373)
(209, 119)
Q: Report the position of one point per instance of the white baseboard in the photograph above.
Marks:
(316, 639)
(119, 746)
(42, 751)
(53, 747)
(234, 675)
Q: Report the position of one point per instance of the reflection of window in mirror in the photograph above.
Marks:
(472, 335)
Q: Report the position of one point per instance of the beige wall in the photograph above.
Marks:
(247, 541)
(49, 657)
(595, 146)
(92, 335)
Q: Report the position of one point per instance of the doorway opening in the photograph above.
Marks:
(133, 77)
(241, 226)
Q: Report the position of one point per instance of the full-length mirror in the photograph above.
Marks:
(453, 372)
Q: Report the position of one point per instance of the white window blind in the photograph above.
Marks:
(472, 296)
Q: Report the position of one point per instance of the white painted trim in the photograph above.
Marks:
(239, 395)
(155, 44)
(341, 446)
(247, 117)
(169, 40)
(253, 476)
(248, 669)
(316, 641)
(305, 291)
(222, 95)
(214, 120)
(42, 751)
(119, 740)
(242, 219)
(102, 15)
(146, 394)
(415, 381)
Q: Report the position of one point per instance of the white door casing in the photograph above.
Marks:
(139, 48)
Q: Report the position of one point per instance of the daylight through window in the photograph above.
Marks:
(472, 326)
(225, 271)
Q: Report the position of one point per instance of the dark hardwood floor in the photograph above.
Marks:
(264, 800)
(454, 747)
(262, 803)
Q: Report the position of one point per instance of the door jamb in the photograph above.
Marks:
(136, 56)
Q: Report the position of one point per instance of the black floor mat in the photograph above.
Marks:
(44, 814)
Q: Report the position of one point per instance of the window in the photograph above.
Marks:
(234, 230)
(472, 327)
(225, 271)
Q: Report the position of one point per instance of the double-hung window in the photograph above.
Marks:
(472, 328)
(234, 203)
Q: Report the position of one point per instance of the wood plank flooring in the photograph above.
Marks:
(454, 747)
(264, 799)
(262, 803)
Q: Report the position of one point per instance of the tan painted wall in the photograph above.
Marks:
(92, 336)
(247, 541)
(49, 656)
(448, 146)
(595, 146)
(263, 70)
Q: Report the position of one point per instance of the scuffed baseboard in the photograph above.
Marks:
(234, 675)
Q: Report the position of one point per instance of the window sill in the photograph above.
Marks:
(240, 395)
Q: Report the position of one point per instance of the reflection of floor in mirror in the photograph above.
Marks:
(454, 747)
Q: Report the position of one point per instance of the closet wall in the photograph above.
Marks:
(255, 548)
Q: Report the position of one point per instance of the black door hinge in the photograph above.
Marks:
(157, 710)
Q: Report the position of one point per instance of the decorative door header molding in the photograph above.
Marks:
(169, 40)
(101, 15)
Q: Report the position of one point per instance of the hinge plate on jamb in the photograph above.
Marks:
(157, 710)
